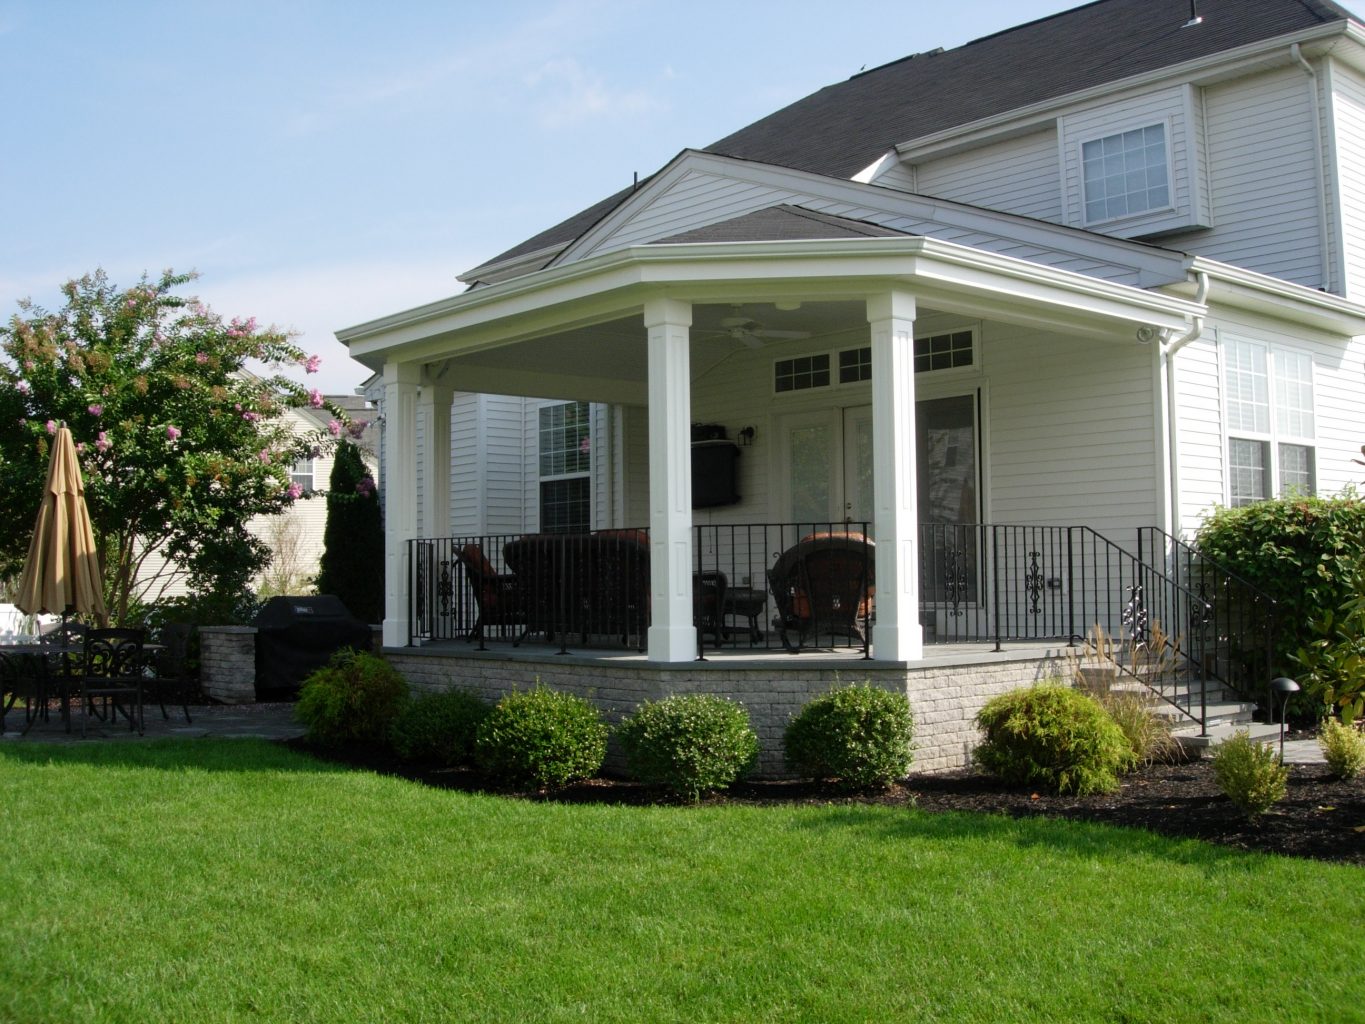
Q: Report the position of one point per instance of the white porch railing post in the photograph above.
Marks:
(434, 408)
(672, 637)
(896, 635)
(400, 493)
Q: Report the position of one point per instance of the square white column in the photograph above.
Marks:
(434, 408)
(400, 494)
(672, 637)
(896, 635)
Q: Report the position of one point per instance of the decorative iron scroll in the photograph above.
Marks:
(1201, 612)
(445, 589)
(955, 579)
(1135, 616)
(1033, 583)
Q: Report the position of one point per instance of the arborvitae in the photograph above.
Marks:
(352, 565)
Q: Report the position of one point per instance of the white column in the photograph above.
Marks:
(434, 408)
(400, 494)
(672, 637)
(896, 635)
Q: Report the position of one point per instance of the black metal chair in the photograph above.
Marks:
(170, 679)
(63, 664)
(14, 685)
(709, 588)
(113, 671)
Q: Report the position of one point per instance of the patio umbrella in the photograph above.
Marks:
(62, 573)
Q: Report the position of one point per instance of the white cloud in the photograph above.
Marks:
(573, 93)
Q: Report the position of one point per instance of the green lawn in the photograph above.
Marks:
(236, 881)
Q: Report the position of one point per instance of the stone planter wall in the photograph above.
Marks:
(227, 663)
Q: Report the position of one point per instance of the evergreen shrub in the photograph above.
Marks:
(690, 743)
(541, 738)
(859, 735)
(1249, 774)
(439, 728)
(354, 698)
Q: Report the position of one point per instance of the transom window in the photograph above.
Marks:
(802, 373)
(1270, 423)
(565, 468)
(944, 351)
(1125, 174)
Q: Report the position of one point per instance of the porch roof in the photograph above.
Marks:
(580, 324)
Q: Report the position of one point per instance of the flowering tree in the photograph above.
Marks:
(180, 445)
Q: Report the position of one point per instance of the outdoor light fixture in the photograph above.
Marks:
(746, 437)
(1285, 686)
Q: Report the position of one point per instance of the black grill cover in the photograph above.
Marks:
(295, 635)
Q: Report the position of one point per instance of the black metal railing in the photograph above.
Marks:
(1236, 637)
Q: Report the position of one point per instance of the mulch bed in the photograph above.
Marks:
(1321, 817)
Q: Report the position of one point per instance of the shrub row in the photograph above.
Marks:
(854, 736)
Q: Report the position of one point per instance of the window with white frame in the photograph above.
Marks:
(1126, 174)
(801, 373)
(565, 468)
(301, 473)
(1270, 427)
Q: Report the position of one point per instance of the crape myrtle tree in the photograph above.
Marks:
(352, 565)
(179, 443)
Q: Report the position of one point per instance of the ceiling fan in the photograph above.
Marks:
(750, 332)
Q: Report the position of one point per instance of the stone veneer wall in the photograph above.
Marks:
(944, 694)
(227, 663)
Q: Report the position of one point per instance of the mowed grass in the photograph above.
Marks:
(237, 881)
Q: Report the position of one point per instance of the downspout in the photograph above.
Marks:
(1169, 347)
(1325, 254)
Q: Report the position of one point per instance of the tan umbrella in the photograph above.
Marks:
(62, 574)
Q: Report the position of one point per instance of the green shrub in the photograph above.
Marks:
(1148, 733)
(541, 738)
(1249, 774)
(859, 735)
(690, 743)
(1053, 736)
(439, 728)
(1332, 666)
(354, 698)
(1344, 748)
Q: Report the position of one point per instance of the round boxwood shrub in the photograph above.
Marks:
(690, 743)
(354, 698)
(1054, 737)
(540, 738)
(439, 728)
(858, 735)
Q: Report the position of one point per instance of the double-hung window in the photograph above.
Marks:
(565, 468)
(301, 473)
(1271, 448)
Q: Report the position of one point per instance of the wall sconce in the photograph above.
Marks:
(746, 437)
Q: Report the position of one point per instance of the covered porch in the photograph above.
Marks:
(674, 334)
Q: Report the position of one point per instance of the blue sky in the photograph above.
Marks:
(321, 164)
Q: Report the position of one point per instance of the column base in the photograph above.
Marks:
(677, 643)
(897, 643)
(395, 632)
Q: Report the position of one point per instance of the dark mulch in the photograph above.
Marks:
(1321, 817)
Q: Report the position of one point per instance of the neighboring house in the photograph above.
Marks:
(1104, 269)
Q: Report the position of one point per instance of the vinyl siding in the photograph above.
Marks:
(1017, 176)
(1348, 116)
(1199, 432)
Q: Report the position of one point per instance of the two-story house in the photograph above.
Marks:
(1019, 312)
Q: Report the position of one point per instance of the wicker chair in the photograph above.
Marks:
(494, 593)
(824, 587)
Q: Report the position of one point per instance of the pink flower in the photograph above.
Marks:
(23, 387)
(95, 410)
(365, 485)
(311, 364)
(172, 432)
(357, 428)
(334, 428)
(51, 427)
(201, 358)
(102, 442)
(315, 398)
(585, 445)
(263, 455)
(251, 417)
(80, 447)
(294, 492)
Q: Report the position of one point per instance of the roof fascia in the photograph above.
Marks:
(1283, 300)
(617, 283)
(487, 273)
(1153, 264)
(1021, 120)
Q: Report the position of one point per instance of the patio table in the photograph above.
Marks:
(39, 658)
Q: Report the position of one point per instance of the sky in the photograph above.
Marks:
(321, 164)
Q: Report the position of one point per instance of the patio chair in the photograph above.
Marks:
(494, 593)
(113, 672)
(63, 663)
(16, 683)
(170, 678)
(823, 587)
(709, 589)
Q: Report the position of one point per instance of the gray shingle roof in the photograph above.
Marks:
(782, 224)
(844, 127)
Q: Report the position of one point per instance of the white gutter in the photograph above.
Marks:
(1314, 102)
(1166, 366)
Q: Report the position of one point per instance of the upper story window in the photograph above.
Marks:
(1126, 174)
(301, 473)
(565, 468)
(1270, 422)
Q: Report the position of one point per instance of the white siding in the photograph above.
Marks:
(1348, 109)
(467, 466)
(1198, 423)
(1017, 176)
(1261, 172)
(898, 175)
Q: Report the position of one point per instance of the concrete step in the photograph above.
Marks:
(1192, 743)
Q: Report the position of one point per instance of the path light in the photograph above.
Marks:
(1283, 685)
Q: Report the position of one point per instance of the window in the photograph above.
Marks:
(855, 364)
(944, 351)
(1125, 174)
(301, 473)
(1270, 421)
(802, 373)
(565, 468)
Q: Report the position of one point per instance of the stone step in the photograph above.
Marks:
(1194, 744)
